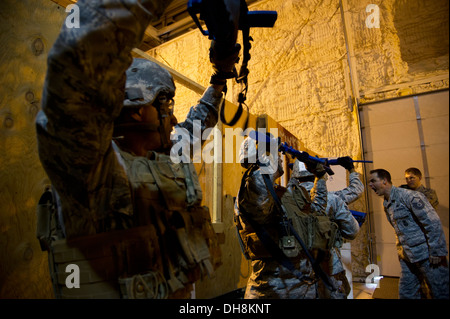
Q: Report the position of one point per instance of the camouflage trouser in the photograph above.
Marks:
(416, 276)
(340, 282)
(270, 280)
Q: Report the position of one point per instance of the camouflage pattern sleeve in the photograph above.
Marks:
(319, 195)
(429, 221)
(338, 210)
(430, 194)
(206, 111)
(432, 198)
(353, 191)
(188, 134)
(256, 200)
(83, 94)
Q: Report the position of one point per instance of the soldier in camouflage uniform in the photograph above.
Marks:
(421, 244)
(269, 279)
(127, 215)
(338, 211)
(355, 187)
(413, 177)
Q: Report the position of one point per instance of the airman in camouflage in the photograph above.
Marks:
(421, 244)
(413, 177)
(338, 211)
(128, 215)
(355, 187)
(269, 278)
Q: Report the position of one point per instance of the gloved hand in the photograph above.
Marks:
(303, 157)
(316, 168)
(223, 58)
(346, 162)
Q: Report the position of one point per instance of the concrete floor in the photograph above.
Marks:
(363, 290)
(387, 289)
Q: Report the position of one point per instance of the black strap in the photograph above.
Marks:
(243, 79)
(241, 244)
(267, 240)
(238, 113)
(317, 269)
(274, 249)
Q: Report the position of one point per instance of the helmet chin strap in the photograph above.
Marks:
(166, 143)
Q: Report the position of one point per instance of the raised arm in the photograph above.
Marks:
(83, 94)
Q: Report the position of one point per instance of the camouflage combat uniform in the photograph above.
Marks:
(419, 235)
(102, 189)
(429, 193)
(339, 212)
(353, 191)
(269, 279)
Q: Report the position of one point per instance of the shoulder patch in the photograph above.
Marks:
(417, 203)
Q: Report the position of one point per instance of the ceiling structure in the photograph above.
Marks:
(174, 22)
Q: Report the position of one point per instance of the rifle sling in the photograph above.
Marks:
(317, 269)
(268, 242)
(241, 78)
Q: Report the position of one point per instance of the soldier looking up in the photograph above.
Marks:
(104, 138)
(338, 211)
(256, 209)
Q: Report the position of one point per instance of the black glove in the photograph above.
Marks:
(346, 162)
(270, 142)
(223, 57)
(303, 157)
(316, 168)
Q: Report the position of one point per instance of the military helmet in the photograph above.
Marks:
(145, 80)
(299, 170)
(248, 152)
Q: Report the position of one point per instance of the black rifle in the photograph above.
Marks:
(224, 18)
(285, 148)
(288, 223)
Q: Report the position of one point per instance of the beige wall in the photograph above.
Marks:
(27, 31)
(394, 132)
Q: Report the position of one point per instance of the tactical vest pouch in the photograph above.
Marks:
(316, 231)
(102, 259)
(253, 246)
(324, 232)
(198, 240)
(150, 285)
(168, 195)
(302, 220)
(178, 183)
